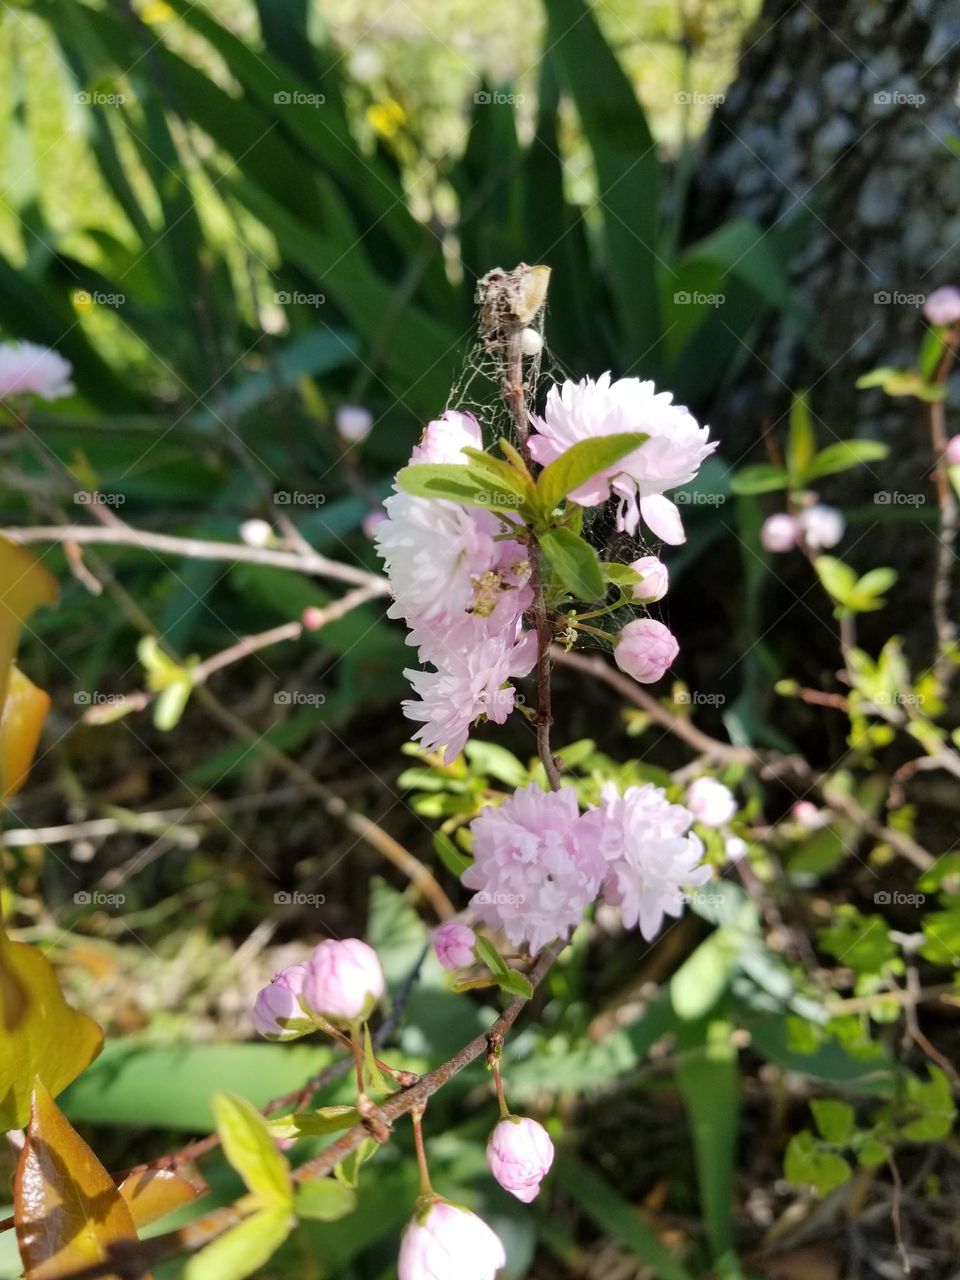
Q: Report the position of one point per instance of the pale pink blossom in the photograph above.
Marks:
(29, 369)
(468, 683)
(779, 532)
(822, 526)
(952, 452)
(519, 1155)
(735, 848)
(806, 814)
(453, 942)
(672, 455)
(344, 980)
(655, 579)
(537, 865)
(445, 438)
(650, 855)
(445, 1242)
(711, 803)
(645, 650)
(943, 305)
(372, 521)
(279, 1002)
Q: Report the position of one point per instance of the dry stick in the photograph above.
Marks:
(123, 535)
(129, 1261)
(944, 625)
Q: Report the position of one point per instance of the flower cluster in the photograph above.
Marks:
(340, 983)
(462, 591)
(29, 369)
(539, 862)
(817, 527)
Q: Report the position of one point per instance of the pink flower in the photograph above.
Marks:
(672, 455)
(353, 423)
(468, 683)
(806, 814)
(710, 802)
(343, 980)
(278, 1003)
(822, 526)
(645, 650)
(779, 533)
(952, 452)
(445, 438)
(536, 865)
(372, 521)
(650, 855)
(453, 943)
(519, 1155)
(445, 1242)
(655, 579)
(943, 305)
(26, 368)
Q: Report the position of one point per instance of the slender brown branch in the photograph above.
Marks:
(944, 625)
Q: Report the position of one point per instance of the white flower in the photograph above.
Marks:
(256, 533)
(710, 802)
(469, 682)
(445, 438)
(655, 579)
(650, 856)
(822, 526)
(670, 457)
(779, 532)
(26, 368)
(353, 422)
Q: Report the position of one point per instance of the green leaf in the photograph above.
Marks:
(243, 1249)
(581, 462)
(324, 1199)
(761, 478)
(835, 1120)
(506, 474)
(934, 1100)
(454, 859)
(171, 703)
(838, 579)
(249, 1146)
(801, 440)
(455, 483)
(515, 983)
(490, 956)
(575, 563)
(844, 455)
(808, 1163)
(311, 1124)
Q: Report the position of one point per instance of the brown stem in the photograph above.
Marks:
(944, 625)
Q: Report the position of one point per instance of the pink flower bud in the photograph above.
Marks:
(943, 305)
(372, 521)
(519, 1155)
(806, 814)
(951, 454)
(645, 650)
(343, 980)
(312, 618)
(710, 802)
(779, 533)
(446, 1242)
(822, 526)
(453, 943)
(278, 1001)
(655, 579)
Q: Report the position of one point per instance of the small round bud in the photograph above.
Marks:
(519, 1155)
(806, 814)
(445, 1240)
(779, 533)
(655, 579)
(710, 802)
(372, 521)
(943, 305)
(951, 454)
(531, 342)
(454, 943)
(645, 650)
(278, 1002)
(343, 980)
(353, 423)
(255, 533)
(822, 526)
(312, 618)
(735, 848)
